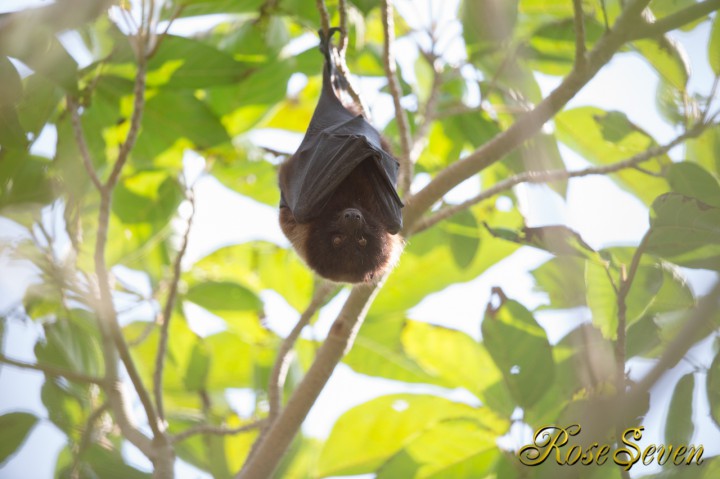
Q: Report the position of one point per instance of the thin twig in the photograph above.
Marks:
(282, 363)
(209, 429)
(681, 343)
(324, 16)
(429, 110)
(160, 38)
(280, 369)
(135, 120)
(167, 313)
(86, 438)
(405, 174)
(605, 15)
(626, 280)
(711, 97)
(579, 19)
(108, 315)
(342, 48)
(675, 20)
(526, 125)
(556, 175)
(82, 144)
(54, 371)
(338, 342)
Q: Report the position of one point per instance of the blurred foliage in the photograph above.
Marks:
(206, 95)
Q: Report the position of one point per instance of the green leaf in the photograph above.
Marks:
(713, 389)
(224, 296)
(244, 171)
(42, 52)
(685, 231)
(469, 366)
(383, 426)
(705, 150)
(601, 298)
(563, 279)
(378, 351)
(24, 178)
(12, 133)
(520, 349)
(691, 179)
(453, 449)
(147, 197)
(714, 46)
(172, 115)
(608, 137)
(668, 58)
(671, 102)
(300, 460)
(195, 8)
(464, 236)
(675, 293)
(39, 102)
(679, 424)
(555, 239)
(99, 461)
(15, 427)
(177, 359)
(103, 122)
(235, 362)
(198, 367)
(258, 265)
(183, 62)
(663, 8)
(73, 343)
(431, 253)
(551, 47)
(67, 407)
(487, 24)
(642, 337)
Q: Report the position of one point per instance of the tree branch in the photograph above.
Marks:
(429, 111)
(279, 372)
(324, 17)
(626, 280)
(209, 429)
(82, 144)
(579, 34)
(343, 28)
(54, 371)
(682, 342)
(86, 438)
(135, 120)
(167, 313)
(108, 314)
(405, 174)
(676, 20)
(527, 125)
(339, 340)
(107, 320)
(556, 175)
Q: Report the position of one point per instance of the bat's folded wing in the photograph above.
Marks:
(326, 158)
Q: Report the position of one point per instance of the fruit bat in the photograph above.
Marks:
(338, 205)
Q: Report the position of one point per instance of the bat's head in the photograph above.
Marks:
(348, 245)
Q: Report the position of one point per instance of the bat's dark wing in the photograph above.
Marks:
(336, 142)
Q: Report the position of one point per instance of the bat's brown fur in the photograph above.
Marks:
(333, 253)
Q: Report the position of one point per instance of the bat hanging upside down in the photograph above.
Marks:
(339, 207)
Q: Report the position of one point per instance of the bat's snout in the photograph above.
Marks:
(351, 219)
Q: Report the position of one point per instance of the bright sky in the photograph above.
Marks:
(592, 207)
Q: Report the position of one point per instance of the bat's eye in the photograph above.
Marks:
(362, 242)
(337, 240)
